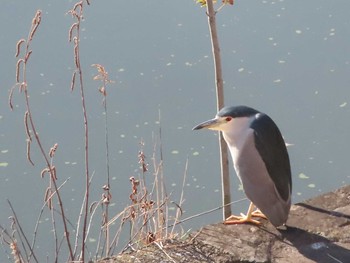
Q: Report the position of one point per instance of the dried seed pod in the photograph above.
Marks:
(35, 23)
(53, 150)
(10, 98)
(133, 214)
(18, 66)
(53, 173)
(79, 4)
(103, 91)
(76, 52)
(27, 56)
(150, 237)
(26, 115)
(105, 200)
(70, 34)
(28, 152)
(48, 198)
(72, 84)
(45, 170)
(18, 46)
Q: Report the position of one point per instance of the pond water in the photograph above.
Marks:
(289, 59)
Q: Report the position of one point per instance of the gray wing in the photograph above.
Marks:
(271, 146)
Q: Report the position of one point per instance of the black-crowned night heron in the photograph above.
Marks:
(260, 159)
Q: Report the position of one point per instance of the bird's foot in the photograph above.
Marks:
(242, 219)
(258, 213)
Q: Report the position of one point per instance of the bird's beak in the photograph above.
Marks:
(212, 124)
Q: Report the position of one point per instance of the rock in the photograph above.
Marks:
(318, 230)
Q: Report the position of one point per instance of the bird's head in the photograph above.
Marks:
(225, 118)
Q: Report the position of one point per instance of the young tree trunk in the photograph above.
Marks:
(225, 177)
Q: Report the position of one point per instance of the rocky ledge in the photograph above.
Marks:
(318, 230)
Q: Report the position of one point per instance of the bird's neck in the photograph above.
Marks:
(237, 132)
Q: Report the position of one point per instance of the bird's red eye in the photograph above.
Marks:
(228, 119)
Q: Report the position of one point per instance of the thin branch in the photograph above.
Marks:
(224, 164)
(77, 13)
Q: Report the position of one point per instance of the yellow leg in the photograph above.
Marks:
(242, 219)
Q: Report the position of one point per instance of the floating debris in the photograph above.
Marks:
(303, 176)
(4, 164)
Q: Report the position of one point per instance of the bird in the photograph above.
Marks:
(261, 161)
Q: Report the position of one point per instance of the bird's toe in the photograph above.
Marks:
(243, 219)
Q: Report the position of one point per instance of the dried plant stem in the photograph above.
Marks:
(107, 187)
(79, 222)
(224, 164)
(138, 231)
(87, 173)
(49, 197)
(106, 196)
(163, 191)
(53, 221)
(115, 240)
(77, 13)
(207, 212)
(108, 177)
(21, 231)
(53, 179)
(179, 210)
(29, 123)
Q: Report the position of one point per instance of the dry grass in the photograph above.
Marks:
(147, 218)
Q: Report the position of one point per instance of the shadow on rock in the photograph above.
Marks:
(325, 211)
(315, 247)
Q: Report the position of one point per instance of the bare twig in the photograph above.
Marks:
(225, 177)
(106, 196)
(208, 211)
(77, 14)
